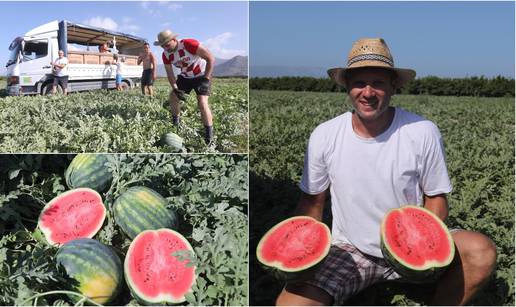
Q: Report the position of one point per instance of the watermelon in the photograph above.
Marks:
(416, 243)
(153, 272)
(292, 248)
(88, 171)
(78, 213)
(95, 270)
(140, 208)
(172, 141)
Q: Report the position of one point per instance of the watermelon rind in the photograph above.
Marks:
(428, 272)
(95, 269)
(162, 298)
(47, 232)
(279, 266)
(88, 171)
(141, 208)
(172, 141)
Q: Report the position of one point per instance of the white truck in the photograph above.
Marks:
(29, 70)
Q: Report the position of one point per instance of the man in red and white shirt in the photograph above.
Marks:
(196, 65)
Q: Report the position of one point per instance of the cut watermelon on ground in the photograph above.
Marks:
(95, 269)
(416, 243)
(74, 214)
(152, 271)
(294, 245)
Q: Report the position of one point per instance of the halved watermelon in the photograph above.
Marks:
(78, 213)
(294, 245)
(153, 273)
(416, 243)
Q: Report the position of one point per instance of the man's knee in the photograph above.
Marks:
(478, 252)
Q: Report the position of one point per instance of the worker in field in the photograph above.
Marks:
(150, 67)
(195, 63)
(372, 159)
(118, 61)
(60, 73)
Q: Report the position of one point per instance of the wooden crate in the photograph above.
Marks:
(74, 58)
(91, 59)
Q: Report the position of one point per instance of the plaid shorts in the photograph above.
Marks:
(346, 271)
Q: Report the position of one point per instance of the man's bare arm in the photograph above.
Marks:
(311, 205)
(210, 60)
(170, 75)
(438, 204)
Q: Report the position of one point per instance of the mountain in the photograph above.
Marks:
(282, 71)
(236, 66)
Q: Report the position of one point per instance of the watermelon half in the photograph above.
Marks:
(74, 214)
(153, 273)
(416, 243)
(294, 245)
(94, 267)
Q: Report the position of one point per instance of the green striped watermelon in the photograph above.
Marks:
(140, 208)
(94, 267)
(172, 141)
(88, 171)
(78, 213)
(154, 273)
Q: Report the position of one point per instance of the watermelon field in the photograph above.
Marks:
(206, 194)
(111, 121)
(479, 140)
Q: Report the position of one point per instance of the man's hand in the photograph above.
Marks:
(181, 95)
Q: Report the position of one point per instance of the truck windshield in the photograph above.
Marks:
(13, 56)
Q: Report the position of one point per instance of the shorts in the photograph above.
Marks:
(346, 271)
(118, 79)
(201, 85)
(62, 80)
(147, 77)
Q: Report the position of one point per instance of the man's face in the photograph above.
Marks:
(61, 54)
(146, 48)
(170, 46)
(370, 90)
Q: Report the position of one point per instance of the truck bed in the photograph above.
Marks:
(87, 57)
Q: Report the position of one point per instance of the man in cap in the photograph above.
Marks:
(195, 63)
(371, 160)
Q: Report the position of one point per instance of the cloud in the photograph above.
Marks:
(217, 46)
(102, 22)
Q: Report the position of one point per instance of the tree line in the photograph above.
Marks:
(472, 86)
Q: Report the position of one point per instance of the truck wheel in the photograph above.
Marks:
(125, 86)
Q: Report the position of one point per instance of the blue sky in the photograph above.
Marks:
(446, 39)
(221, 26)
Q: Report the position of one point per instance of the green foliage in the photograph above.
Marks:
(474, 86)
(111, 121)
(209, 191)
(478, 134)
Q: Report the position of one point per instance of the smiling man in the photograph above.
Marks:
(195, 63)
(371, 160)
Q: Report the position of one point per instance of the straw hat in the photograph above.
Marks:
(164, 37)
(371, 52)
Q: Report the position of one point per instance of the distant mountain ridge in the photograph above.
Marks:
(287, 71)
(236, 66)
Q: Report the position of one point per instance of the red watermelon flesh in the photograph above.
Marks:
(295, 244)
(78, 213)
(416, 238)
(153, 273)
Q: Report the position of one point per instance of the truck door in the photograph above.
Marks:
(35, 61)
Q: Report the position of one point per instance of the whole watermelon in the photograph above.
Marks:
(140, 208)
(89, 171)
(172, 141)
(96, 271)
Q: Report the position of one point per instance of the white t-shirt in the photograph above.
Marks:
(119, 68)
(367, 177)
(60, 72)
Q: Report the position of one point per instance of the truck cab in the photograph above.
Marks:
(29, 70)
